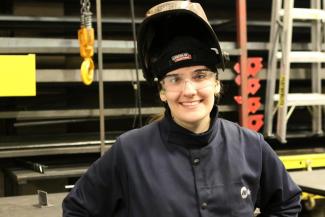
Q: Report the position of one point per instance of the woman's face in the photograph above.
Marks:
(189, 93)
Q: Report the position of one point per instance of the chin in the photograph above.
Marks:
(192, 119)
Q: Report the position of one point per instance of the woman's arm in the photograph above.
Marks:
(99, 191)
(279, 195)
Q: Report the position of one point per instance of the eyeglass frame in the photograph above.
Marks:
(183, 83)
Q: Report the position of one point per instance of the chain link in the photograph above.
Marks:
(85, 6)
(86, 14)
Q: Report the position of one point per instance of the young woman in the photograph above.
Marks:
(190, 163)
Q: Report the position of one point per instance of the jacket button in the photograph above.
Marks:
(204, 205)
(196, 161)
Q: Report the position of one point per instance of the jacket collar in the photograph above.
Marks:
(172, 133)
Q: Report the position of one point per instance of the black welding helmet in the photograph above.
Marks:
(172, 19)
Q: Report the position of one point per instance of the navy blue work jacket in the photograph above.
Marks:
(163, 170)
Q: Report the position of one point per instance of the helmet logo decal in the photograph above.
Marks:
(181, 57)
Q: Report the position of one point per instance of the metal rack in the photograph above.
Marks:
(62, 52)
(283, 16)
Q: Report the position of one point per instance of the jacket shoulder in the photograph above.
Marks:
(140, 135)
(234, 130)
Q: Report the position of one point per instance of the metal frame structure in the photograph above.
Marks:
(58, 46)
(281, 32)
(100, 77)
(242, 43)
(304, 161)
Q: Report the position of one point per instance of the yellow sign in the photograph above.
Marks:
(281, 90)
(18, 75)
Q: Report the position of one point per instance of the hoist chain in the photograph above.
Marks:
(85, 13)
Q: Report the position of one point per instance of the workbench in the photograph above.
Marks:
(27, 206)
(20, 181)
(310, 181)
(19, 206)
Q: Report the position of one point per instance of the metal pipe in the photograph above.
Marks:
(50, 144)
(137, 85)
(242, 43)
(51, 122)
(100, 77)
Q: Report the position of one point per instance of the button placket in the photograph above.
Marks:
(195, 158)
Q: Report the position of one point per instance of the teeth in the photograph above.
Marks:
(190, 103)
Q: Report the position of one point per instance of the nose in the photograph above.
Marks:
(189, 88)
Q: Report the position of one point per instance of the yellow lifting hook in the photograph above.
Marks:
(86, 42)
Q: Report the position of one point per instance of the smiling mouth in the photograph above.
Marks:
(192, 103)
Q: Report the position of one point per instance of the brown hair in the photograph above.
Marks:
(156, 117)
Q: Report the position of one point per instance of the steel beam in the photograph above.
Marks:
(87, 113)
(71, 46)
(241, 20)
(128, 75)
(59, 46)
(114, 20)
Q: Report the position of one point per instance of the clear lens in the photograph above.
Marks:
(199, 79)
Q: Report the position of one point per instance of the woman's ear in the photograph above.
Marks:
(162, 95)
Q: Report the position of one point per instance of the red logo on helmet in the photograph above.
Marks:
(181, 57)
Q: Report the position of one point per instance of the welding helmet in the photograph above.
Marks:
(168, 20)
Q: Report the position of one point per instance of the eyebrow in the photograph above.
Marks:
(202, 69)
(196, 70)
(170, 75)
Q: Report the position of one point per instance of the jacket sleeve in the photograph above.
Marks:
(279, 195)
(99, 191)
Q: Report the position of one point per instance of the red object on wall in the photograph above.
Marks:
(253, 84)
(254, 66)
(253, 103)
(255, 122)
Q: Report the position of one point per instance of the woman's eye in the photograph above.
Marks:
(200, 76)
(174, 79)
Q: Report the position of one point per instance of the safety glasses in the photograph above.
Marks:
(198, 79)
